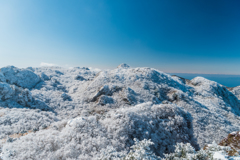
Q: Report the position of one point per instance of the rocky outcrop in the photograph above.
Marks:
(16, 97)
(233, 141)
(24, 78)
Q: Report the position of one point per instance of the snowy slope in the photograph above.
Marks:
(110, 107)
(236, 91)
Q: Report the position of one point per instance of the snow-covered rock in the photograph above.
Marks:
(2, 77)
(123, 65)
(12, 96)
(236, 91)
(132, 86)
(113, 107)
(24, 78)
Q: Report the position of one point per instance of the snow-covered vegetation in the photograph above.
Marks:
(141, 151)
(82, 113)
(236, 91)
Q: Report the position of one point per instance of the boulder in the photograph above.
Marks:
(24, 78)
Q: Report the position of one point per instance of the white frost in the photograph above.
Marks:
(75, 112)
(220, 156)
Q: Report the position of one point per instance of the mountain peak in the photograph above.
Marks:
(123, 65)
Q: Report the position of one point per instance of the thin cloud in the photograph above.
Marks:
(44, 64)
(95, 69)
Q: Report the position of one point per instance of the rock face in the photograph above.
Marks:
(233, 141)
(110, 107)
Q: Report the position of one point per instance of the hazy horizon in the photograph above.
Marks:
(44, 64)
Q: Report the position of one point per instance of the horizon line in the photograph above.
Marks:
(202, 73)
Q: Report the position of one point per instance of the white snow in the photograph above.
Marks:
(236, 91)
(24, 78)
(233, 133)
(85, 110)
(219, 156)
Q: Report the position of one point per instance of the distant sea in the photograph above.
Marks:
(226, 80)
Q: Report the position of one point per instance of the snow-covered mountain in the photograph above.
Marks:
(235, 91)
(59, 113)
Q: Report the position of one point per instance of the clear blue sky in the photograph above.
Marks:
(190, 36)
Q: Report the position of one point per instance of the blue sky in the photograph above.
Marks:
(200, 36)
